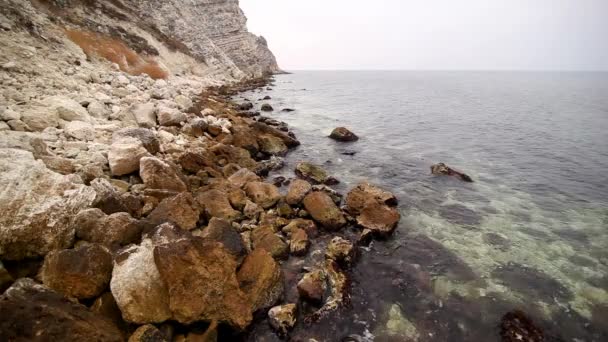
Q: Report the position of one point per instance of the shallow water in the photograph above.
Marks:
(530, 233)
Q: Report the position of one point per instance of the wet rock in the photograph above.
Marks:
(215, 203)
(398, 326)
(266, 108)
(343, 134)
(262, 128)
(202, 283)
(460, 214)
(242, 177)
(442, 169)
(263, 194)
(261, 279)
(373, 208)
(220, 230)
(180, 209)
(265, 238)
(146, 136)
(312, 286)
(282, 318)
(338, 289)
(323, 210)
(517, 326)
(299, 243)
(279, 181)
(340, 250)
(41, 204)
(314, 174)
(531, 282)
(272, 145)
(82, 272)
(267, 97)
(335, 196)
(308, 226)
(298, 189)
(125, 155)
(287, 110)
(32, 312)
(157, 174)
(284, 210)
(148, 333)
(245, 106)
(496, 240)
(136, 284)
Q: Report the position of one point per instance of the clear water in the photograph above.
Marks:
(530, 233)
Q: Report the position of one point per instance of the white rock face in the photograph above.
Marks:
(145, 114)
(80, 130)
(125, 154)
(38, 117)
(68, 109)
(41, 204)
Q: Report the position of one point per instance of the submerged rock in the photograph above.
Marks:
(82, 272)
(312, 286)
(261, 279)
(282, 318)
(314, 174)
(32, 312)
(343, 134)
(517, 326)
(442, 169)
(41, 204)
(299, 243)
(323, 210)
(340, 250)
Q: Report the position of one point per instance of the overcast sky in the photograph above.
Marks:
(433, 34)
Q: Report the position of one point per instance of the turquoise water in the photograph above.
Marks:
(530, 233)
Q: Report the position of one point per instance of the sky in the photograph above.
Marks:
(433, 34)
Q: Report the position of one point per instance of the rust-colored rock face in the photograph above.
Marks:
(261, 279)
(373, 208)
(323, 210)
(343, 134)
(157, 174)
(297, 190)
(263, 194)
(181, 209)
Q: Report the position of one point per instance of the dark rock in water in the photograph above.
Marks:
(314, 174)
(341, 250)
(531, 282)
(349, 153)
(32, 312)
(343, 134)
(267, 97)
(266, 108)
(245, 106)
(312, 286)
(278, 181)
(496, 240)
(516, 326)
(271, 145)
(299, 242)
(442, 169)
(459, 214)
(272, 164)
(287, 110)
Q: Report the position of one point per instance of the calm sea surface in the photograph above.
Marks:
(530, 233)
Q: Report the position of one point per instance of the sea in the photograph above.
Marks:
(530, 233)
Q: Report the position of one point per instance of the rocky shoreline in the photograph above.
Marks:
(178, 235)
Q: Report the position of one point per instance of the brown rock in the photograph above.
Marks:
(266, 108)
(308, 226)
(262, 128)
(32, 312)
(312, 286)
(284, 210)
(272, 145)
(93, 225)
(282, 318)
(299, 242)
(340, 250)
(157, 174)
(245, 138)
(323, 210)
(107, 198)
(242, 177)
(358, 197)
(297, 191)
(220, 230)
(148, 333)
(202, 283)
(58, 164)
(194, 161)
(82, 272)
(314, 173)
(373, 208)
(105, 305)
(233, 154)
(263, 194)
(265, 238)
(238, 199)
(343, 134)
(215, 203)
(5, 278)
(442, 169)
(180, 209)
(261, 279)
(125, 155)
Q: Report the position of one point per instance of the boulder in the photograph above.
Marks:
(263, 194)
(38, 117)
(61, 165)
(343, 134)
(144, 114)
(323, 210)
(33, 312)
(245, 106)
(156, 174)
(282, 318)
(220, 230)
(148, 333)
(271, 145)
(238, 199)
(373, 208)
(201, 279)
(107, 198)
(98, 109)
(266, 108)
(82, 272)
(215, 203)
(308, 226)
(233, 154)
(168, 116)
(261, 279)
(284, 210)
(314, 174)
(180, 209)
(146, 136)
(242, 177)
(125, 155)
(140, 293)
(41, 204)
(299, 243)
(340, 250)
(265, 238)
(442, 169)
(80, 130)
(195, 160)
(105, 305)
(312, 286)
(262, 128)
(298, 189)
(68, 109)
